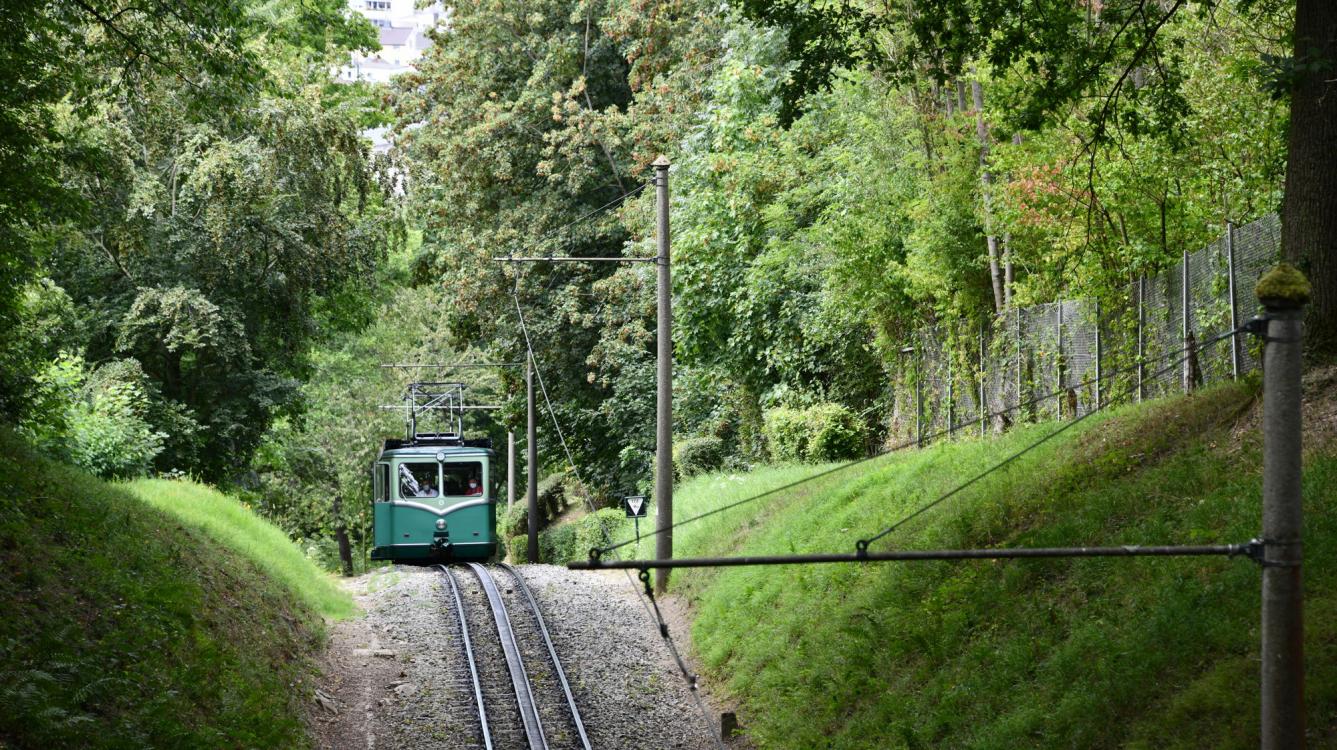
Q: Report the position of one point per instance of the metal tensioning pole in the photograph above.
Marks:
(1284, 293)
(531, 465)
(664, 388)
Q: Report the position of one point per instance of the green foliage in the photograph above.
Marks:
(573, 541)
(99, 420)
(836, 434)
(513, 521)
(697, 455)
(820, 433)
(823, 38)
(124, 627)
(890, 655)
(192, 194)
(787, 432)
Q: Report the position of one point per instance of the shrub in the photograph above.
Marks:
(516, 548)
(552, 496)
(786, 432)
(823, 432)
(836, 433)
(697, 455)
(573, 541)
(556, 543)
(514, 520)
(97, 420)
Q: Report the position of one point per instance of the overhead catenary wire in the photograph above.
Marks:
(911, 443)
(588, 214)
(652, 609)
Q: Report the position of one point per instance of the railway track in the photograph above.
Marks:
(520, 692)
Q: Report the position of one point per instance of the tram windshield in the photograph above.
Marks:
(418, 480)
(464, 479)
(426, 479)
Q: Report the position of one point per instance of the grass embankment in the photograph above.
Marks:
(1034, 653)
(125, 626)
(227, 521)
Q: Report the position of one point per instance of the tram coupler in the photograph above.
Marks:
(441, 542)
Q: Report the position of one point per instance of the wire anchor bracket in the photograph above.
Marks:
(1256, 550)
(1257, 326)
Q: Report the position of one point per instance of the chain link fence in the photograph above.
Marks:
(1064, 359)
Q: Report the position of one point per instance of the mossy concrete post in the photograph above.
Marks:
(1284, 293)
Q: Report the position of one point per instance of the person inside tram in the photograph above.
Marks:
(427, 489)
(475, 487)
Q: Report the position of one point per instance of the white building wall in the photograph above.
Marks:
(403, 31)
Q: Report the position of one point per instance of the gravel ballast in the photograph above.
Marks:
(397, 676)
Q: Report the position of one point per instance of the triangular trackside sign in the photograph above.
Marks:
(635, 506)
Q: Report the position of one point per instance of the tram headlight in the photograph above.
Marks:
(441, 523)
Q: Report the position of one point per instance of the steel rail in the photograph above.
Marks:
(524, 695)
(1131, 550)
(469, 654)
(552, 653)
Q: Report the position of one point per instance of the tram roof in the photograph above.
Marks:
(432, 447)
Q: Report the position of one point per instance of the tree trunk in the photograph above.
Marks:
(1309, 209)
(986, 180)
(341, 536)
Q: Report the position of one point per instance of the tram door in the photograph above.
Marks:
(382, 517)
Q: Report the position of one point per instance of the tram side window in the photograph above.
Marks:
(464, 479)
(381, 483)
(418, 480)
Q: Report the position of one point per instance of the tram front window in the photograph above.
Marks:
(464, 479)
(418, 480)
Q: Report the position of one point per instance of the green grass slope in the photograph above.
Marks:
(227, 521)
(125, 626)
(1007, 654)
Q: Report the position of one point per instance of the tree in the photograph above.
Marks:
(209, 203)
(1309, 210)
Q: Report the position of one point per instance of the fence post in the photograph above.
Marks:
(983, 401)
(1099, 357)
(1234, 312)
(1284, 293)
(951, 398)
(1059, 364)
(1141, 340)
(1017, 317)
(919, 403)
(1184, 320)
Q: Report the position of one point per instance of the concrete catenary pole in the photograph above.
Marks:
(1284, 292)
(664, 385)
(531, 465)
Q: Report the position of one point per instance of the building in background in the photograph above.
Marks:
(403, 30)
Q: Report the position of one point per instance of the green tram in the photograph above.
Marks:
(434, 493)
